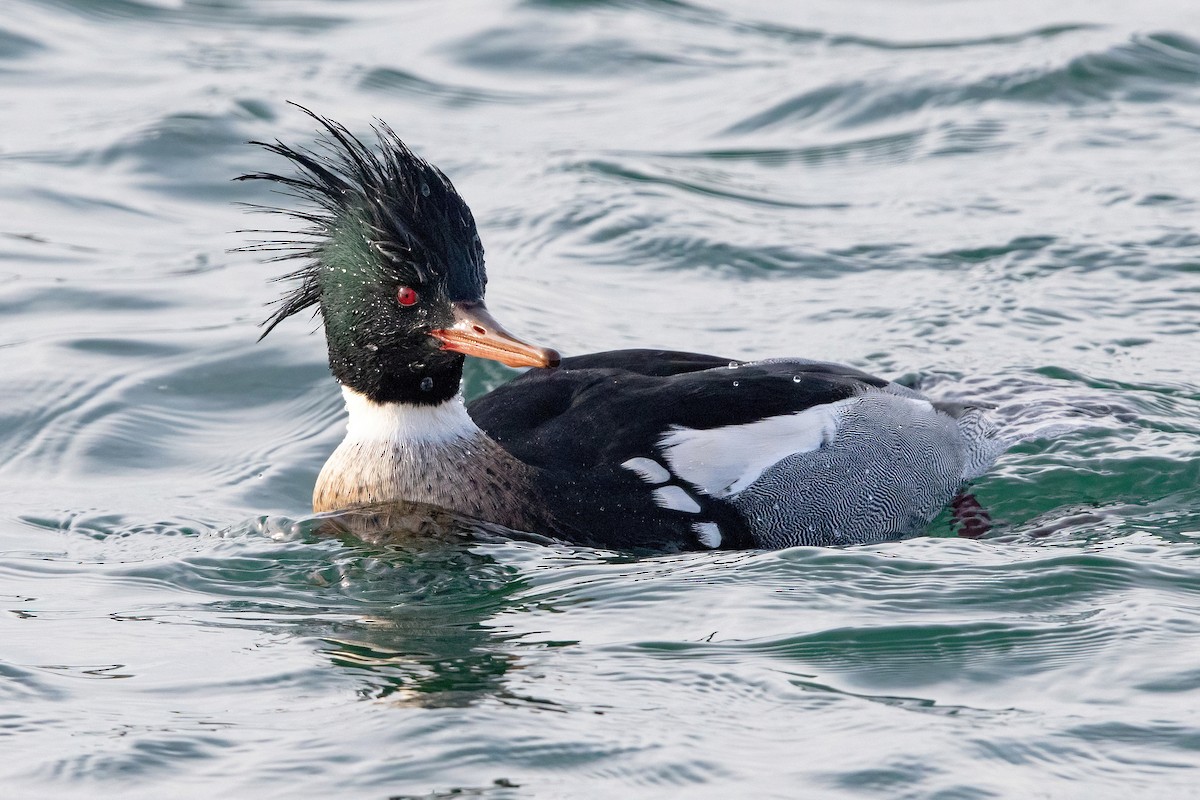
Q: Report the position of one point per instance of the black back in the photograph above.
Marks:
(605, 408)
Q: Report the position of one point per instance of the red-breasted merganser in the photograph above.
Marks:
(623, 449)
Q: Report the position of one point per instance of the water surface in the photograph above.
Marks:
(992, 200)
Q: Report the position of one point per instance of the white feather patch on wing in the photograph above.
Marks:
(708, 534)
(650, 470)
(676, 499)
(723, 461)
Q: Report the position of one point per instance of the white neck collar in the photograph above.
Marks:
(406, 422)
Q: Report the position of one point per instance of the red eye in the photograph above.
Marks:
(406, 296)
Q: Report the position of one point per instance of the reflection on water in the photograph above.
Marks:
(424, 641)
(429, 644)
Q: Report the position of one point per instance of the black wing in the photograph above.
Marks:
(581, 422)
(604, 408)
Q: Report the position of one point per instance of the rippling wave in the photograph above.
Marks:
(994, 206)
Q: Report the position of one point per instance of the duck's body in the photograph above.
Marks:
(666, 450)
(657, 448)
(625, 449)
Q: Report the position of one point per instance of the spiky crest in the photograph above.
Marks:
(414, 219)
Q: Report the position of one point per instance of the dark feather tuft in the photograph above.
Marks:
(409, 207)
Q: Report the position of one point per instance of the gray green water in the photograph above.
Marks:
(998, 199)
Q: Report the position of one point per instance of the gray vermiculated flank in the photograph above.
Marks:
(890, 469)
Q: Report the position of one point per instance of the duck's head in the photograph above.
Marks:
(394, 266)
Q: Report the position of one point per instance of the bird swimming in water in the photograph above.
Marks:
(628, 449)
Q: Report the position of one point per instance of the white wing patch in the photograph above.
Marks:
(723, 461)
(676, 499)
(650, 470)
(708, 534)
